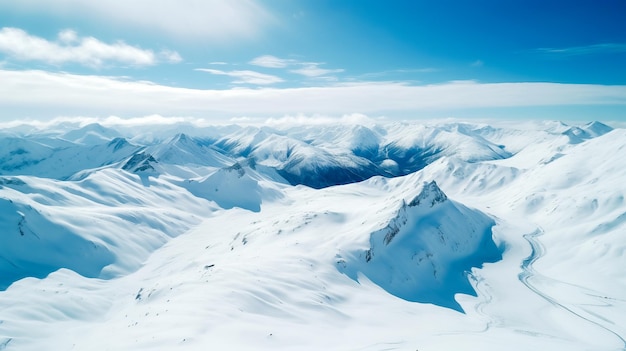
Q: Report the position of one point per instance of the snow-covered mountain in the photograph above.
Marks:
(345, 237)
(91, 134)
(26, 157)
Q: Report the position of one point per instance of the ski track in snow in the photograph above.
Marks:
(484, 291)
(529, 274)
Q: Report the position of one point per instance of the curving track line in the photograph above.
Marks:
(528, 273)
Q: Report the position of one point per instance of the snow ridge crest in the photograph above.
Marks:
(431, 194)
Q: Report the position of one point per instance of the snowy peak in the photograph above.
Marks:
(242, 142)
(578, 134)
(183, 141)
(236, 168)
(421, 256)
(357, 139)
(91, 134)
(118, 144)
(181, 138)
(185, 150)
(229, 187)
(596, 128)
(430, 195)
(140, 162)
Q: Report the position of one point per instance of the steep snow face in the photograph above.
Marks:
(425, 250)
(596, 129)
(275, 150)
(140, 163)
(414, 146)
(19, 154)
(325, 169)
(185, 157)
(33, 245)
(360, 140)
(184, 150)
(302, 163)
(244, 141)
(234, 186)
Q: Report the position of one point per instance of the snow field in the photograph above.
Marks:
(521, 237)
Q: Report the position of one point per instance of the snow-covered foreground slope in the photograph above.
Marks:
(505, 238)
(104, 225)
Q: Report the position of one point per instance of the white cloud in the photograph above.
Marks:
(477, 63)
(170, 56)
(45, 95)
(245, 77)
(270, 61)
(307, 69)
(312, 70)
(116, 121)
(217, 20)
(70, 48)
(317, 119)
(68, 36)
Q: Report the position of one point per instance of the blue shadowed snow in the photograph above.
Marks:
(424, 253)
(34, 246)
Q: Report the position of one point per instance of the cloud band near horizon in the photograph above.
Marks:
(39, 94)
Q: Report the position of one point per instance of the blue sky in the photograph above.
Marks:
(262, 59)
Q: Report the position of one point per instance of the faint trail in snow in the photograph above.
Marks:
(483, 289)
(484, 292)
(528, 273)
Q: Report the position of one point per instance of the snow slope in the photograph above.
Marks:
(503, 237)
(104, 225)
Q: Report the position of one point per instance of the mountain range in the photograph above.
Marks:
(396, 235)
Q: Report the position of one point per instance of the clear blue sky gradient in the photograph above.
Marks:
(414, 42)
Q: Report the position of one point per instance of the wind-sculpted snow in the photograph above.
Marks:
(333, 237)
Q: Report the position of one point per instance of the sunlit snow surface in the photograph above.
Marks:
(400, 236)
